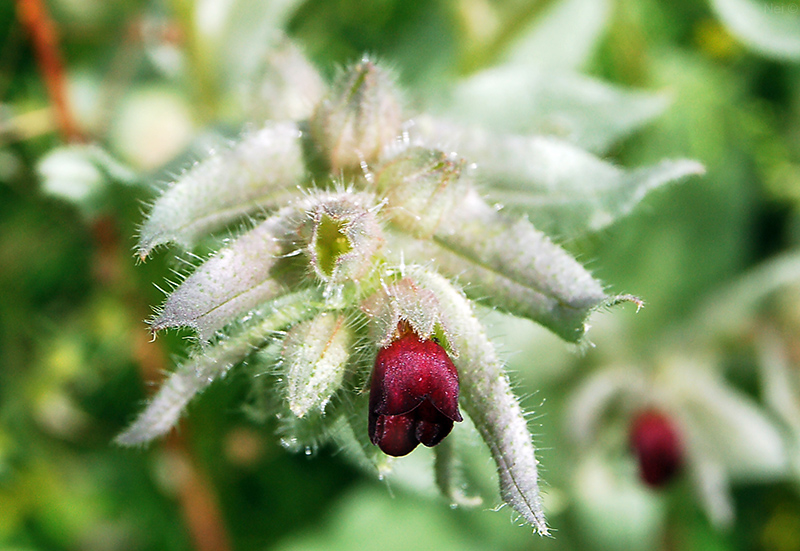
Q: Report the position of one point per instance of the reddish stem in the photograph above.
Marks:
(195, 494)
(34, 16)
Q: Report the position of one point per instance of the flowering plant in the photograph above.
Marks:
(358, 220)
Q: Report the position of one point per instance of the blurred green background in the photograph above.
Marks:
(156, 82)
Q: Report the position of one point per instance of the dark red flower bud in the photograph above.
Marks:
(657, 446)
(413, 395)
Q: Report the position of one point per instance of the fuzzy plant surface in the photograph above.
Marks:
(361, 237)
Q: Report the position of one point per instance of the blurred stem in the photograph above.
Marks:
(42, 29)
(198, 502)
(201, 66)
(196, 497)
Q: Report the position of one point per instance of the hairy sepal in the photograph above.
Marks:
(343, 237)
(418, 185)
(405, 301)
(360, 116)
(315, 356)
(266, 261)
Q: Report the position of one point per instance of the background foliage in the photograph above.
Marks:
(158, 89)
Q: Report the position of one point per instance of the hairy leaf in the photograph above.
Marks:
(579, 109)
(231, 283)
(539, 280)
(487, 398)
(568, 191)
(563, 37)
(561, 188)
(770, 28)
(250, 176)
(209, 364)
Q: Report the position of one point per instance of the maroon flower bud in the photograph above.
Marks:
(413, 396)
(657, 446)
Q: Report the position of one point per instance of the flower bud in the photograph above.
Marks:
(657, 446)
(287, 86)
(413, 395)
(418, 186)
(359, 117)
(315, 355)
(343, 237)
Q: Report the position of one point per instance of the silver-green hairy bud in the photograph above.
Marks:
(359, 117)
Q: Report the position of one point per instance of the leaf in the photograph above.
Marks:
(734, 429)
(232, 282)
(487, 398)
(248, 25)
(780, 383)
(81, 174)
(209, 364)
(248, 177)
(770, 28)
(567, 191)
(564, 190)
(448, 473)
(563, 37)
(582, 110)
(731, 311)
(596, 395)
(515, 267)
(285, 87)
(612, 505)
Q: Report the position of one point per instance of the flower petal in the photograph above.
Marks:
(410, 371)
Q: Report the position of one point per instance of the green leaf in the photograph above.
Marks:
(564, 190)
(249, 28)
(770, 28)
(562, 38)
(580, 109)
(448, 473)
(250, 176)
(514, 267)
(208, 364)
(733, 428)
(567, 191)
(81, 174)
(285, 87)
(232, 282)
(731, 311)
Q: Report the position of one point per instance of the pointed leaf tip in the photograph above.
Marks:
(489, 401)
(227, 185)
